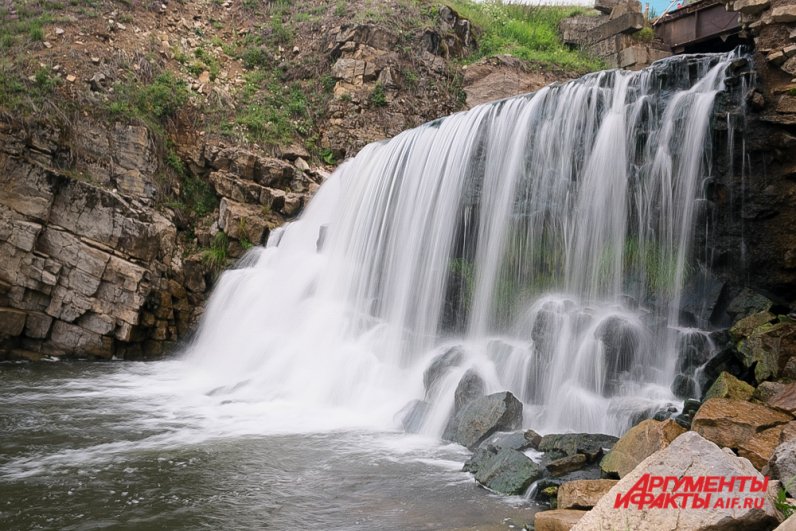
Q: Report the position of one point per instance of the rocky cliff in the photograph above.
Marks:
(145, 146)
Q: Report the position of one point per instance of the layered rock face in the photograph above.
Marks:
(91, 264)
(85, 270)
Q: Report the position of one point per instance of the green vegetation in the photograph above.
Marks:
(150, 102)
(215, 257)
(645, 34)
(377, 97)
(782, 504)
(527, 32)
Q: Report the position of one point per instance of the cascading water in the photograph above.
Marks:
(546, 238)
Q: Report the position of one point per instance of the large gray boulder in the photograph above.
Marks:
(688, 455)
(516, 440)
(783, 465)
(484, 416)
(509, 472)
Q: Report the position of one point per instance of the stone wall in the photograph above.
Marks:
(754, 242)
(613, 35)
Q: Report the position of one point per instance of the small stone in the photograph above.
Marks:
(47, 44)
(204, 77)
(95, 60)
(302, 165)
(71, 78)
(789, 51)
(784, 14)
(296, 49)
(776, 57)
(59, 31)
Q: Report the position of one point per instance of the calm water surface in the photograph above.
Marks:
(121, 446)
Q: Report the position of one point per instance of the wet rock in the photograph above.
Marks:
(688, 455)
(413, 415)
(742, 426)
(684, 386)
(700, 298)
(748, 302)
(567, 464)
(583, 494)
(518, 440)
(593, 446)
(693, 350)
(727, 360)
(620, 341)
(509, 472)
(637, 444)
(728, 386)
(471, 387)
(482, 417)
(439, 367)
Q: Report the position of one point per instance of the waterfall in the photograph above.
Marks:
(546, 238)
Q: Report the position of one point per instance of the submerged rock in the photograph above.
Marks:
(439, 366)
(482, 417)
(413, 414)
(688, 455)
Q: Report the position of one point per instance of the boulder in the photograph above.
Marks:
(748, 302)
(693, 350)
(482, 417)
(788, 525)
(509, 472)
(517, 440)
(688, 455)
(768, 348)
(565, 465)
(783, 465)
(700, 298)
(471, 387)
(784, 399)
(620, 340)
(584, 493)
(744, 327)
(728, 386)
(557, 519)
(637, 444)
(741, 426)
(439, 366)
(593, 446)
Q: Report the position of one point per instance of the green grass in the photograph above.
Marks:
(215, 257)
(527, 32)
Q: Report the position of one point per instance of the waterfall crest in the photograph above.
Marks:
(546, 237)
